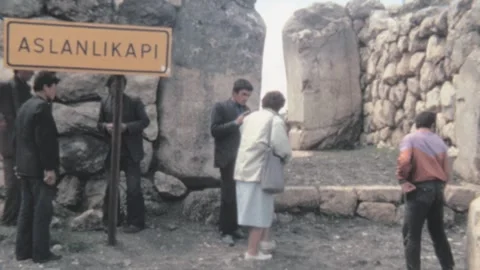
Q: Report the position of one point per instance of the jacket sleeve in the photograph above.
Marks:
(141, 122)
(46, 139)
(218, 128)
(279, 140)
(404, 160)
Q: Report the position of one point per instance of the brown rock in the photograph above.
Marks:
(338, 200)
(390, 194)
(380, 212)
(298, 197)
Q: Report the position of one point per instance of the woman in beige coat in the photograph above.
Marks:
(255, 207)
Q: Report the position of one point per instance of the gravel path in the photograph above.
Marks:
(305, 243)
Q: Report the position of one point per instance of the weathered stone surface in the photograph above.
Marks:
(168, 186)
(473, 235)
(77, 118)
(75, 87)
(322, 26)
(82, 155)
(416, 62)
(377, 211)
(416, 43)
(383, 113)
(467, 112)
(459, 197)
(361, 9)
(427, 77)
(21, 8)
(82, 11)
(215, 44)
(435, 49)
(390, 75)
(298, 198)
(147, 158)
(203, 206)
(338, 200)
(69, 191)
(388, 194)
(432, 101)
(94, 192)
(87, 221)
(148, 12)
(397, 94)
(403, 67)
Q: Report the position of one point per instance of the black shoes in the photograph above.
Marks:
(132, 229)
(51, 258)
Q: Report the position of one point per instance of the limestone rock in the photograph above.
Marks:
(322, 26)
(80, 155)
(68, 194)
(147, 158)
(338, 200)
(427, 77)
(361, 9)
(377, 211)
(148, 12)
(403, 67)
(434, 25)
(416, 62)
(169, 187)
(94, 192)
(435, 49)
(413, 86)
(467, 112)
(81, 118)
(459, 198)
(432, 102)
(390, 75)
(385, 133)
(21, 8)
(399, 117)
(397, 136)
(82, 11)
(416, 43)
(202, 206)
(298, 197)
(402, 44)
(233, 32)
(473, 235)
(448, 131)
(447, 100)
(397, 94)
(387, 194)
(75, 87)
(87, 221)
(383, 113)
(420, 107)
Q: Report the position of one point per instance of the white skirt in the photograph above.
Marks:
(254, 207)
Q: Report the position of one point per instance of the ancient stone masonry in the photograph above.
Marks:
(410, 56)
(214, 43)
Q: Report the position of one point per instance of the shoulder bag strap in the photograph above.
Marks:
(270, 131)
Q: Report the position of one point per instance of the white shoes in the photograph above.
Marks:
(259, 257)
(268, 246)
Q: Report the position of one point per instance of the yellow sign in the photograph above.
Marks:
(87, 47)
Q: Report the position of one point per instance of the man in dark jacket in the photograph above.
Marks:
(134, 121)
(12, 95)
(227, 116)
(36, 146)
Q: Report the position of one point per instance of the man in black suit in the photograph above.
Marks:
(134, 121)
(37, 152)
(12, 95)
(227, 117)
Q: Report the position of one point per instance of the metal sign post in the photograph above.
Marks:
(115, 159)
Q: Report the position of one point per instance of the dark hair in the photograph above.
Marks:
(273, 100)
(425, 119)
(242, 84)
(112, 78)
(44, 78)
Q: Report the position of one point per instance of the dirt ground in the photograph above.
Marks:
(304, 242)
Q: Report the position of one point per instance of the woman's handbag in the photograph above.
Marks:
(272, 177)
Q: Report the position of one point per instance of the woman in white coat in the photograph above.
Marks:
(255, 207)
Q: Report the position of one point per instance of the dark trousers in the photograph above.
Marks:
(135, 202)
(13, 193)
(228, 204)
(33, 228)
(426, 203)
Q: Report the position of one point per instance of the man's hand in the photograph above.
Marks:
(50, 178)
(408, 187)
(109, 128)
(240, 118)
(123, 127)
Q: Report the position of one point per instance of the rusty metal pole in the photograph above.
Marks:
(118, 85)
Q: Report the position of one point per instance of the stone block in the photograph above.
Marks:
(377, 211)
(338, 200)
(303, 197)
(459, 197)
(473, 236)
(390, 194)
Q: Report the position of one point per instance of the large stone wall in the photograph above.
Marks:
(410, 56)
(214, 43)
(415, 57)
